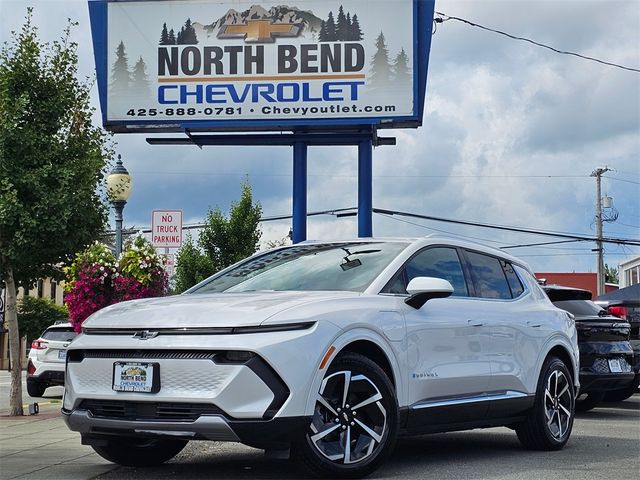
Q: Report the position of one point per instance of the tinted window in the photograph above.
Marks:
(580, 307)
(333, 267)
(59, 334)
(434, 262)
(488, 276)
(514, 282)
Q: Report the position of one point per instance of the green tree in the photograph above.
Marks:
(192, 266)
(222, 242)
(229, 240)
(52, 161)
(610, 274)
(36, 314)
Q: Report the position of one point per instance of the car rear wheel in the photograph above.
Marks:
(589, 401)
(549, 424)
(355, 422)
(139, 453)
(35, 388)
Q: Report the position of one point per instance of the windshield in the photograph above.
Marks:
(337, 266)
(580, 308)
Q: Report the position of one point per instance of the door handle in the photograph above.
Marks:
(533, 324)
(475, 323)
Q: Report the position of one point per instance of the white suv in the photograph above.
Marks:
(331, 350)
(47, 358)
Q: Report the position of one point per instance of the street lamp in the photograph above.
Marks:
(119, 189)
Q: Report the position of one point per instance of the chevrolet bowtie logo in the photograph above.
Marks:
(259, 31)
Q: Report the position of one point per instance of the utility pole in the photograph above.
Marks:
(597, 173)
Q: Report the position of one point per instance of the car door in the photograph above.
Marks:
(447, 368)
(512, 340)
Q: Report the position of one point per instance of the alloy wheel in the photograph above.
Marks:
(349, 420)
(558, 404)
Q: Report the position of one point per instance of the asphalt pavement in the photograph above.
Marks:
(605, 444)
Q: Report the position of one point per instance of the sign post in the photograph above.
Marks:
(166, 229)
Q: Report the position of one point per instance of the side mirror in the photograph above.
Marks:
(423, 289)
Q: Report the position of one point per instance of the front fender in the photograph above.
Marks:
(343, 340)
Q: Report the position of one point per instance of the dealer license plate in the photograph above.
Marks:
(135, 377)
(62, 354)
(614, 365)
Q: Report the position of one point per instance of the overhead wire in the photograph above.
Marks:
(444, 18)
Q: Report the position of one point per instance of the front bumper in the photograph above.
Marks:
(276, 433)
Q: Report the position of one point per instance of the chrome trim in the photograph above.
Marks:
(211, 427)
(508, 395)
(151, 333)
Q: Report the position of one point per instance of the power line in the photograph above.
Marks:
(627, 241)
(621, 179)
(443, 18)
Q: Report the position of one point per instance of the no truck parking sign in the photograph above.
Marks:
(166, 229)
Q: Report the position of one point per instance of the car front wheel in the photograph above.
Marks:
(139, 453)
(355, 421)
(549, 423)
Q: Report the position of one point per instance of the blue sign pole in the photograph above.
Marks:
(299, 192)
(365, 188)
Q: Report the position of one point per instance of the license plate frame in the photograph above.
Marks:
(147, 380)
(614, 365)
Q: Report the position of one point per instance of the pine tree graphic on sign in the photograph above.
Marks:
(141, 82)
(120, 76)
(380, 66)
(401, 72)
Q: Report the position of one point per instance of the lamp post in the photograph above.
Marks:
(119, 189)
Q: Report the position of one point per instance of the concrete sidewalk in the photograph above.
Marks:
(42, 447)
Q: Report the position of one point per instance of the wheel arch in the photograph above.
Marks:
(371, 350)
(563, 354)
(364, 342)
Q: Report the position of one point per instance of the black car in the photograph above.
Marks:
(606, 356)
(628, 310)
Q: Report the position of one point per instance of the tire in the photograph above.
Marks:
(139, 452)
(35, 388)
(589, 402)
(549, 424)
(369, 427)
(623, 393)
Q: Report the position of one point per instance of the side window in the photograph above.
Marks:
(439, 262)
(488, 277)
(514, 282)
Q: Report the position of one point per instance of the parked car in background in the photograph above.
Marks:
(628, 310)
(606, 356)
(47, 357)
(330, 350)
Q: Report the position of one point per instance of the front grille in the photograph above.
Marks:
(601, 365)
(124, 410)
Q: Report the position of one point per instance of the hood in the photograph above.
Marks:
(204, 310)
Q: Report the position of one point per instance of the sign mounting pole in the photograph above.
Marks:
(365, 188)
(299, 192)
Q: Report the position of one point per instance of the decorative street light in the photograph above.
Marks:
(119, 189)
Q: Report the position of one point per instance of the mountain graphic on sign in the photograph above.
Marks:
(308, 23)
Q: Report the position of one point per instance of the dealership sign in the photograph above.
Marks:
(166, 229)
(177, 64)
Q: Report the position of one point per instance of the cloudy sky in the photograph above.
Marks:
(510, 136)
